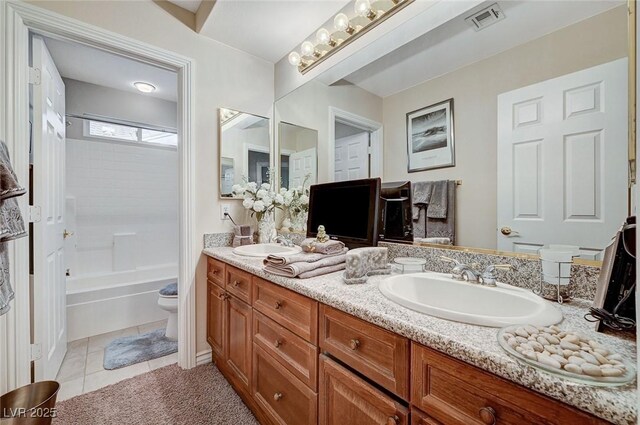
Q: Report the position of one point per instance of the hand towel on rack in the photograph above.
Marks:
(437, 207)
(301, 257)
(11, 223)
(295, 269)
(328, 247)
(9, 186)
(421, 195)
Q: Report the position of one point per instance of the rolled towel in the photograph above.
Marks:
(329, 247)
(301, 257)
(295, 269)
(437, 241)
(361, 261)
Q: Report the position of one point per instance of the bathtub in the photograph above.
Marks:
(111, 301)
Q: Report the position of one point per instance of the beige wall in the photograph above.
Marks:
(223, 77)
(475, 89)
(308, 106)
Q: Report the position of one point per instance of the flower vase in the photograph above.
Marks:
(266, 228)
(299, 221)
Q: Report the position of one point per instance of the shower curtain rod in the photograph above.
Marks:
(116, 121)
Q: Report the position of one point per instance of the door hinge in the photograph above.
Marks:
(34, 76)
(36, 352)
(35, 214)
(369, 150)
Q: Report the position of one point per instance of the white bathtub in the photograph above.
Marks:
(107, 302)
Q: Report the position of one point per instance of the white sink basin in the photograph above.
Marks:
(262, 250)
(441, 296)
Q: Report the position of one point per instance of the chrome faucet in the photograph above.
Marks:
(284, 241)
(468, 273)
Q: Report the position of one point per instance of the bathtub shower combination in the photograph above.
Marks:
(97, 304)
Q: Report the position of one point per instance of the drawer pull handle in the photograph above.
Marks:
(488, 415)
(236, 283)
(278, 343)
(214, 271)
(277, 305)
(393, 420)
(277, 396)
(224, 296)
(354, 344)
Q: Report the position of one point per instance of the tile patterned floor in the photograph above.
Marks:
(82, 372)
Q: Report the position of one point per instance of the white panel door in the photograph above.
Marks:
(562, 155)
(300, 164)
(49, 286)
(352, 157)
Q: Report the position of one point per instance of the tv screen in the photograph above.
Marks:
(348, 211)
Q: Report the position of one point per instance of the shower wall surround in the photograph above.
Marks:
(125, 194)
(525, 273)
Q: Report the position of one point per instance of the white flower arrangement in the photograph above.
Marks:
(258, 199)
(296, 201)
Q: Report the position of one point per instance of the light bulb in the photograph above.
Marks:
(294, 58)
(323, 36)
(144, 87)
(362, 7)
(307, 48)
(341, 22)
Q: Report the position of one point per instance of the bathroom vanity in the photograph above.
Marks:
(317, 351)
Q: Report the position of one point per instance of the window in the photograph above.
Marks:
(126, 133)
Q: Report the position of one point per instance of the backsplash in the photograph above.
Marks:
(526, 272)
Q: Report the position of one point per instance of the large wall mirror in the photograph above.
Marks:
(245, 149)
(298, 155)
(516, 142)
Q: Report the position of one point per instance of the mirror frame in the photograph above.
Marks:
(219, 168)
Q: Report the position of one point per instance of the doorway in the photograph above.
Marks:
(355, 146)
(105, 177)
(19, 19)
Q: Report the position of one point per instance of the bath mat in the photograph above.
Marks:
(129, 350)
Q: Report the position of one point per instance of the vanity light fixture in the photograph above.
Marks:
(144, 87)
(368, 14)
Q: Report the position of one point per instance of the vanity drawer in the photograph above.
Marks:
(297, 355)
(239, 283)
(283, 397)
(375, 352)
(419, 418)
(454, 392)
(215, 271)
(295, 312)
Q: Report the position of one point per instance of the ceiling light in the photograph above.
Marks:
(144, 87)
(341, 22)
(294, 58)
(323, 36)
(327, 43)
(363, 8)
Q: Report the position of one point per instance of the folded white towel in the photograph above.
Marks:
(299, 268)
(301, 257)
(328, 247)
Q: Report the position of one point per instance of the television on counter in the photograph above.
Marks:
(396, 217)
(348, 210)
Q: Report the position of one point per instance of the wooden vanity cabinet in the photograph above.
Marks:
(456, 393)
(295, 361)
(347, 399)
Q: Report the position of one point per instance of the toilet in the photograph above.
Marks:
(168, 300)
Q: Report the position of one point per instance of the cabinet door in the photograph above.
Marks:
(238, 339)
(216, 318)
(348, 399)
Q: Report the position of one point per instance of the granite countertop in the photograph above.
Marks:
(476, 345)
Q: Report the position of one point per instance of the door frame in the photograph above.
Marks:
(17, 20)
(374, 127)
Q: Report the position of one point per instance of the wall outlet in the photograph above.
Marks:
(225, 209)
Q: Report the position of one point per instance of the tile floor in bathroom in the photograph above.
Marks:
(82, 372)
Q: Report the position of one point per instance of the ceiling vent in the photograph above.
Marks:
(486, 17)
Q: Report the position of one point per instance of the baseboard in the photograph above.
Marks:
(203, 357)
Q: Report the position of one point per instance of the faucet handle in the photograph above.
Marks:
(488, 277)
(450, 260)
